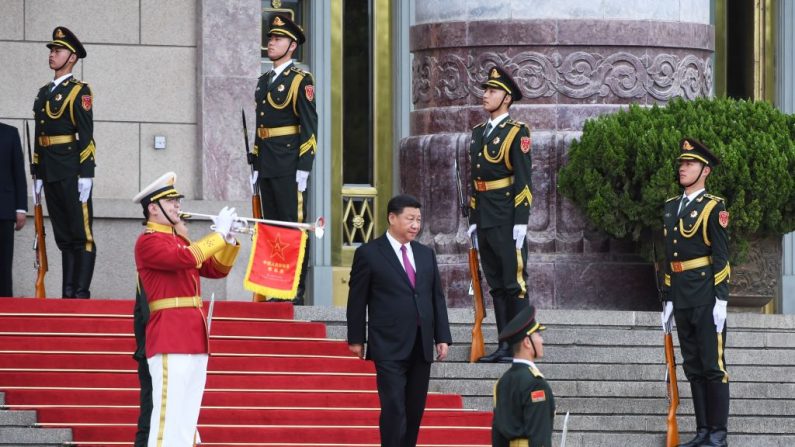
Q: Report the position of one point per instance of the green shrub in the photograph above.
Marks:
(623, 167)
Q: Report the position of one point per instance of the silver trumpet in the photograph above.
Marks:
(245, 225)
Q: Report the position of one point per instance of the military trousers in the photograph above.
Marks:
(504, 268)
(701, 346)
(72, 220)
(177, 388)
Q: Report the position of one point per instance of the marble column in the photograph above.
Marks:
(228, 68)
(574, 60)
(785, 100)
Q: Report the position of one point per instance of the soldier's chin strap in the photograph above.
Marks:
(165, 213)
(697, 177)
(64, 64)
(285, 52)
(533, 345)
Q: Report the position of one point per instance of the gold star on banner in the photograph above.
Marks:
(278, 247)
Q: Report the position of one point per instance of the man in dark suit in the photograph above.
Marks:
(395, 282)
(13, 201)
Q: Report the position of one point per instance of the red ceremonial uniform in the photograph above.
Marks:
(169, 267)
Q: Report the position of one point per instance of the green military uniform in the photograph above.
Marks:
(501, 168)
(286, 139)
(524, 406)
(696, 274)
(64, 152)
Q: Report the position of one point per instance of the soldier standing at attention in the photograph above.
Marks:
(176, 339)
(524, 407)
(696, 289)
(64, 162)
(500, 163)
(285, 143)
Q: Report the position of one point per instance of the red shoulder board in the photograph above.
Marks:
(538, 396)
(525, 143)
(723, 219)
(85, 102)
(310, 92)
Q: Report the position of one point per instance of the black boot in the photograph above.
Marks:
(503, 353)
(68, 270)
(85, 272)
(699, 391)
(717, 414)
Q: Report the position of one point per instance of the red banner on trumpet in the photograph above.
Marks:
(274, 267)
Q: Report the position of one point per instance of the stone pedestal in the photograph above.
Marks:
(570, 69)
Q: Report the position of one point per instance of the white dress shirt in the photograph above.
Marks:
(396, 246)
(690, 198)
(57, 82)
(278, 70)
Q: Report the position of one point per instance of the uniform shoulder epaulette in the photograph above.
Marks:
(515, 123)
(479, 125)
(149, 231)
(298, 70)
(671, 199)
(710, 196)
(535, 372)
(76, 81)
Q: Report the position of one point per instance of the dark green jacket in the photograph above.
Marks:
(698, 231)
(67, 110)
(289, 101)
(524, 408)
(505, 154)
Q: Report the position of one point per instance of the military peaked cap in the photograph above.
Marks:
(162, 188)
(522, 325)
(500, 79)
(693, 149)
(281, 25)
(63, 38)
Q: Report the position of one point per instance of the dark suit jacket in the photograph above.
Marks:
(13, 186)
(380, 289)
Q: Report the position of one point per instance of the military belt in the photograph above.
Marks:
(483, 185)
(681, 266)
(176, 302)
(52, 140)
(270, 132)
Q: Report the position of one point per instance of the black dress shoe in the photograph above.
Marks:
(498, 356)
(702, 435)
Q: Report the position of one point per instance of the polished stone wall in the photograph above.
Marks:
(573, 61)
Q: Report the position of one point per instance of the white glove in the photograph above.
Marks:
(519, 234)
(719, 314)
(472, 230)
(84, 188)
(37, 187)
(253, 178)
(300, 178)
(668, 310)
(223, 222)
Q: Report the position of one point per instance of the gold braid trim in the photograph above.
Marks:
(689, 233)
(309, 145)
(290, 94)
(524, 196)
(67, 103)
(667, 280)
(504, 148)
(88, 152)
(206, 247)
(723, 275)
(225, 259)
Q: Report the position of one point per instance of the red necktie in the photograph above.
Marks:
(408, 267)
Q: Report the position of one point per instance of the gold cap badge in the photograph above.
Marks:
(59, 34)
(687, 146)
(278, 21)
(494, 73)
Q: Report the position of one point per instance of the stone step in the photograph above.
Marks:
(639, 439)
(28, 436)
(739, 407)
(565, 371)
(625, 423)
(18, 418)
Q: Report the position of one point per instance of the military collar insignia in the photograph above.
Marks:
(700, 198)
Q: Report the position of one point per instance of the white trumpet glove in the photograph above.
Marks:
(300, 179)
(84, 188)
(665, 317)
(223, 223)
(719, 314)
(519, 234)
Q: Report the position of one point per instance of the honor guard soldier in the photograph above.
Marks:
(696, 289)
(524, 406)
(500, 163)
(176, 336)
(64, 161)
(286, 142)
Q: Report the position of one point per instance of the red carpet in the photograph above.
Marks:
(272, 381)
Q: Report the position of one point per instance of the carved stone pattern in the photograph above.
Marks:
(579, 75)
(758, 274)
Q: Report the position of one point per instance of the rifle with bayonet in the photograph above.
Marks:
(256, 202)
(475, 289)
(39, 240)
(672, 387)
